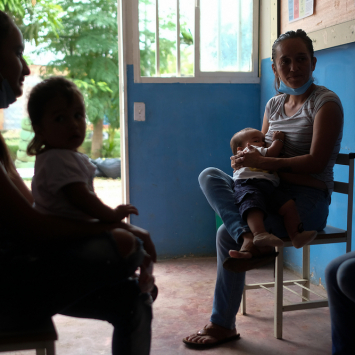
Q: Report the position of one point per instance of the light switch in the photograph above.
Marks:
(139, 111)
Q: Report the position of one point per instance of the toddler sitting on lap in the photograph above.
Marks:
(63, 180)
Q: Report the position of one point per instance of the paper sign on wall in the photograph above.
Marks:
(298, 9)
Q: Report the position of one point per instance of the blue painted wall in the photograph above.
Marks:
(336, 70)
(188, 128)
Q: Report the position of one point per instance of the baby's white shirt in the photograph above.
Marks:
(253, 173)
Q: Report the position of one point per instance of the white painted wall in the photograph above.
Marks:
(265, 29)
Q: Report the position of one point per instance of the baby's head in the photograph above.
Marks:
(57, 113)
(247, 135)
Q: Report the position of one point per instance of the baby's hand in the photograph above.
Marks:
(123, 211)
(278, 135)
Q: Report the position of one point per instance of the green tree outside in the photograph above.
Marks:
(167, 43)
(34, 18)
(85, 33)
(89, 45)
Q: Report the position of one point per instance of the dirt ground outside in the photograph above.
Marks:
(108, 190)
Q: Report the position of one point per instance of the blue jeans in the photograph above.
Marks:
(87, 279)
(312, 205)
(339, 276)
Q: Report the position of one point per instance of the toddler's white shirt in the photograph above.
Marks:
(55, 169)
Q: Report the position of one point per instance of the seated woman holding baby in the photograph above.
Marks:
(311, 118)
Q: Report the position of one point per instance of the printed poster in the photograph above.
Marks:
(298, 9)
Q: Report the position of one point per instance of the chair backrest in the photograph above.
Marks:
(348, 189)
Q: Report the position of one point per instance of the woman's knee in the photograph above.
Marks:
(331, 272)
(221, 236)
(206, 174)
(224, 242)
(345, 278)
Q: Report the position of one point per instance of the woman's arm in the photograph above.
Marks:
(18, 182)
(276, 146)
(17, 214)
(265, 126)
(303, 180)
(327, 125)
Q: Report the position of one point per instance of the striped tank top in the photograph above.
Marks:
(298, 128)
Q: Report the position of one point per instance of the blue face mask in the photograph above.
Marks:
(298, 91)
(7, 96)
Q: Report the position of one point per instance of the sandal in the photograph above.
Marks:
(242, 264)
(212, 332)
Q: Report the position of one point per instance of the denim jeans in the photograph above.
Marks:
(87, 279)
(312, 205)
(339, 276)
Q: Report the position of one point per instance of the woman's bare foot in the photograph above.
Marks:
(248, 249)
(211, 335)
(249, 256)
(240, 254)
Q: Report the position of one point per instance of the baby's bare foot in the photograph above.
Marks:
(267, 239)
(301, 239)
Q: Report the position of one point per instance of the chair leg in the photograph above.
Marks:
(51, 348)
(243, 304)
(48, 350)
(306, 271)
(278, 294)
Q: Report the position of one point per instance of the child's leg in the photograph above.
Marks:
(126, 242)
(251, 197)
(293, 224)
(255, 220)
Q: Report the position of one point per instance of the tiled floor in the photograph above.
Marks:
(184, 307)
(184, 304)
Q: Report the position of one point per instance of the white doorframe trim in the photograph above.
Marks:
(121, 16)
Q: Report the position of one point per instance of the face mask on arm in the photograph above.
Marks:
(298, 91)
(7, 96)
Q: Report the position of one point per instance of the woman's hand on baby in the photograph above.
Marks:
(249, 159)
(123, 211)
(236, 162)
